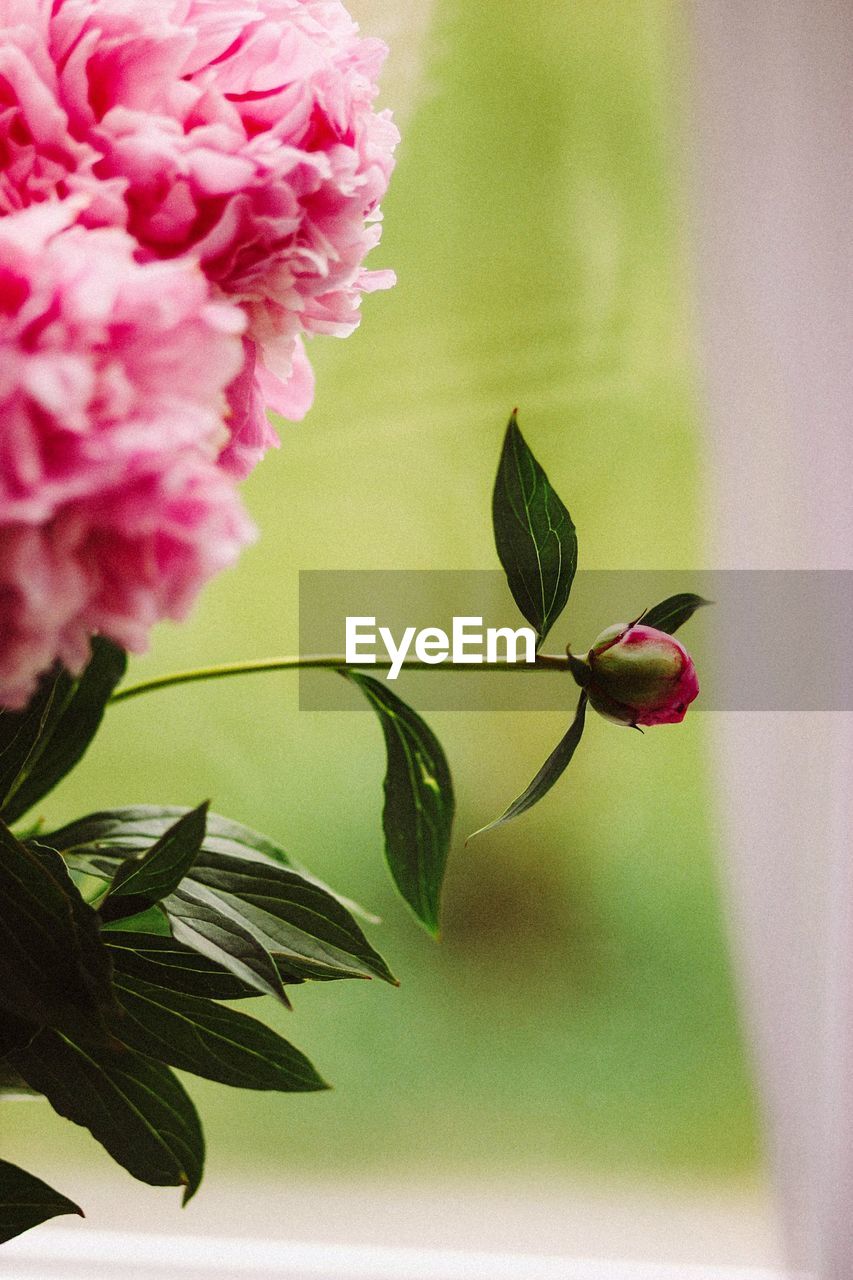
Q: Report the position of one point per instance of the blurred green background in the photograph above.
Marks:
(579, 1012)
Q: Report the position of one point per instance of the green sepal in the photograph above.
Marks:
(553, 768)
(673, 612)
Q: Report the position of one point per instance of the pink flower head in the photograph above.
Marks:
(253, 391)
(640, 676)
(239, 132)
(41, 157)
(113, 510)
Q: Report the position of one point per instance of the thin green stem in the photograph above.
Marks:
(330, 661)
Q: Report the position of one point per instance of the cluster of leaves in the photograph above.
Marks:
(123, 932)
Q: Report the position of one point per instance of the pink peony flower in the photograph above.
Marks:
(240, 132)
(40, 157)
(252, 392)
(637, 675)
(113, 509)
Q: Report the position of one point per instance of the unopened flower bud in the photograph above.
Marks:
(636, 675)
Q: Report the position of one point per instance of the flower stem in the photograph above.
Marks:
(330, 661)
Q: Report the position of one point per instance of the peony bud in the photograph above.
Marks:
(637, 675)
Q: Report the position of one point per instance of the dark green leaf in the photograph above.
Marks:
(232, 938)
(293, 918)
(26, 1201)
(225, 941)
(70, 724)
(141, 882)
(133, 1106)
(52, 959)
(556, 764)
(15, 1033)
(673, 612)
(136, 828)
(20, 731)
(128, 831)
(249, 913)
(419, 804)
(534, 535)
(221, 1044)
(209, 930)
(166, 963)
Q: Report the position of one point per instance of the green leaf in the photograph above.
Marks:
(25, 1201)
(68, 725)
(673, 612)
(142, 882)
(556, 764)
(227, 942)
(218, 1043)
(15, 1033)
(164, 962)
(419, 804)
(132, 830)
(20, 731)
(133, 1106)
(258, 968)
(292, 918)
(534, 535)
(136, 828)
(249, 944)
(289, 926)
(152, 921)
(52, 959)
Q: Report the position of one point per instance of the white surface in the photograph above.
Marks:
(674, 1225)
(80, 1255)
